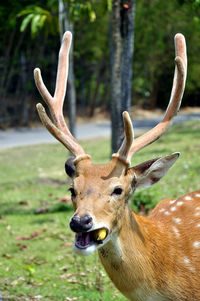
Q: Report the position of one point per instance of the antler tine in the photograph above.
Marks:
(128, 139)
(71, 145)
(58, 127)
(63, 66)
(175, 99)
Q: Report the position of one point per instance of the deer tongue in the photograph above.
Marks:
(83, 240)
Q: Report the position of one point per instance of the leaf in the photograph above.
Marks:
(73, 281)
(83, 274)
(32, 235)
(35, 25)
(41, 21)
(38, 297)
(65, 199)
(40, 262)
(92, 16)
(16, 281)
(109, 5)
(41, 210)
(24, 203)
(25, 22)
(22, 247)
(25, 12)
(64, 268)
(66, 275)
(30, 269)
(66, 244)
(6, 255)
(41, 11)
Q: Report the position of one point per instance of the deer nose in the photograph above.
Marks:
(81, 224)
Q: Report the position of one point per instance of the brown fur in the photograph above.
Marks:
(147, 258)
(153, 259)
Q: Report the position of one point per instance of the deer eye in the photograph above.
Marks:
(73, 193)
(117, 191)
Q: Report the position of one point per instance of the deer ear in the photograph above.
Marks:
(150, 172)
(70, 168)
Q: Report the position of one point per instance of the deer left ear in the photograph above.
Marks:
(150, 172)
(70, 168)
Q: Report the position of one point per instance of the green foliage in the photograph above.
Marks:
(42, 18)
(109, 5)
(38, 18)
(145, 200)
(30, 269)
(156, 24)
(81, 9)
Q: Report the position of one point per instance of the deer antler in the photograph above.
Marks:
(128, 139)
(127, 149)
(58, 127)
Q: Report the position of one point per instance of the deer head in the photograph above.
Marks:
(100, 192)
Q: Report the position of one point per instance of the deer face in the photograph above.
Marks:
(100, 195)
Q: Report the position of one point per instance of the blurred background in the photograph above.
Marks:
(30, 36)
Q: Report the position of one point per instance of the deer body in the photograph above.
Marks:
(157, 258)
(151, 258)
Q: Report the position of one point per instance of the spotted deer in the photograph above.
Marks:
(154, 258)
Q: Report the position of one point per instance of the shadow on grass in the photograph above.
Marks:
(42, 221)
(37, 182)
(61, 208)
(14, 209)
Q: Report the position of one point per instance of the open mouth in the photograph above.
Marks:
(84, 240)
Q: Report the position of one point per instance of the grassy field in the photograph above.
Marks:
(36, 258)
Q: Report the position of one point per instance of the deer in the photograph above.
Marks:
(148, 258)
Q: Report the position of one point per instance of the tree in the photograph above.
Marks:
(121, 64)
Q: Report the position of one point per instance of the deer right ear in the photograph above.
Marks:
(70, 168)
(150, 172)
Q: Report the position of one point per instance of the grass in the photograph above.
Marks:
(36, 258)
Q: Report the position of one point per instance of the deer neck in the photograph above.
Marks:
(129, 257)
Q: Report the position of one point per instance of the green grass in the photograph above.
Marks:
(43, 265)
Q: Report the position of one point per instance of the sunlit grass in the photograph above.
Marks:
(36, 258)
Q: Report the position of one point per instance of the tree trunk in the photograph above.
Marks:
(99, 77)
(71, 92)
(116, 41)
(121, 64)
(127, 30)
(154, 87)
